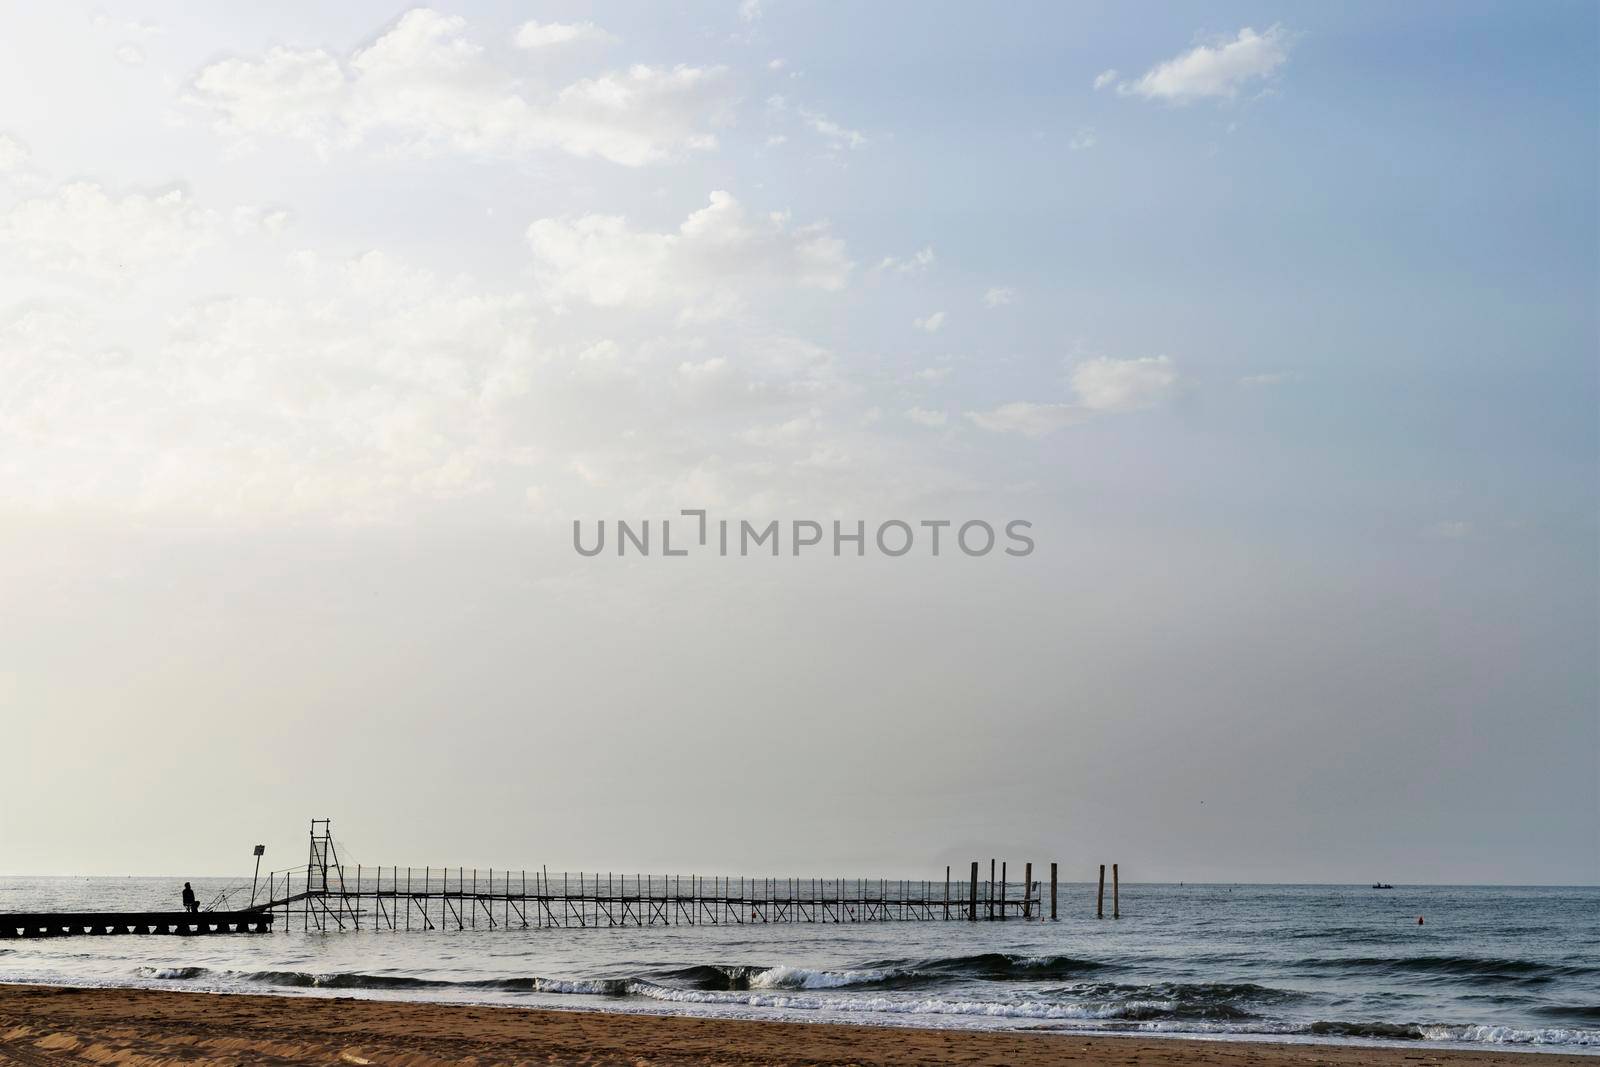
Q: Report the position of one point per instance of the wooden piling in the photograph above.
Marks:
(1053, 917)
(1002, 890)
(972, 907)
(1116, 903)
(1027, 891)
(991, 889)
(1100, 896)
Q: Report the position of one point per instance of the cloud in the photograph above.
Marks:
(1103, 386)
(999, 296)
(84, 230)
(424, 87)
(930, 324)
(716, 253)
(1030, 420)
(749, 10)
(1256, 381)
(130, 54)
(532, 34)
(13, 154)
(1219, 69)
(917, 263)
(1107, 384)
(1104, 78)
(924, 417)
(1083, 139)
(838, 136)
(367, 383)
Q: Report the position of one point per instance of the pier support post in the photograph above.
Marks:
(991, 889)
(1100, 896)
(972, 906)
(1053, 917)
(1116, 900)
(1002, 890)
(1027, 891)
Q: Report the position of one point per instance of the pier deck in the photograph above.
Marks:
(79, 923)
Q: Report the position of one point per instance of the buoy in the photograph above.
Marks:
(1419, 920)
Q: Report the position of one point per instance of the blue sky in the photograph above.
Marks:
(1278, 320)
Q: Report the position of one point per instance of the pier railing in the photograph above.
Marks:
(460, 898)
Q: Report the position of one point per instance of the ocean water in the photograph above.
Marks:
(1491, 966)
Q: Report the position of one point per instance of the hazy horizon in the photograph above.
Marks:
(1278, 323)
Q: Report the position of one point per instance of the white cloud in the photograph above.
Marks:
(130, 54)
(749, 10)
(776, 64)
(916, 263)
(839, 136)
(1083, 139)
(367, 384)
(424, 87)
(924, 417)
(534, 34)
(1219, 69)
(81, 229)
(999, 296)
(13, 154)
(931, 323)
(716, 253)
(1029, 420)
(1104, 78)
(932, 375)
(1103, 386)
(1107, 384)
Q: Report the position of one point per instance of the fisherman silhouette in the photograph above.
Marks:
(189, 902)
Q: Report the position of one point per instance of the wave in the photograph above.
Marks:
(1476, 968)
(734, 978)
(337, 980)
(1177, 1008)
(1511, 1035)
(999, 966)
(990, 966)
(172, 973)
(1583, 1013)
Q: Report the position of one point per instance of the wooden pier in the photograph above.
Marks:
(327, 895)
(402, 898)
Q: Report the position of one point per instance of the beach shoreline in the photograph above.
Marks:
(41, 1024)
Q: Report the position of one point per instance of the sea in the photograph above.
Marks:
(1513, 967)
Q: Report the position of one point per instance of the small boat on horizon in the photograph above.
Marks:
(1382, 885)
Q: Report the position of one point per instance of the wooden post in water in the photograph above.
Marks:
(1053, 917)
(1027, 891)
(1002, 890)
(947, 891)
(1100, 896)
(972, 907)
(991, 889)
(1116, 901)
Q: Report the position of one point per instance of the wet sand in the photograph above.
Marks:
(49, 1025)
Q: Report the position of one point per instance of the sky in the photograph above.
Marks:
(322, 325)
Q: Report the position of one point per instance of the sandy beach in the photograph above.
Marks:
(43, 1024)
